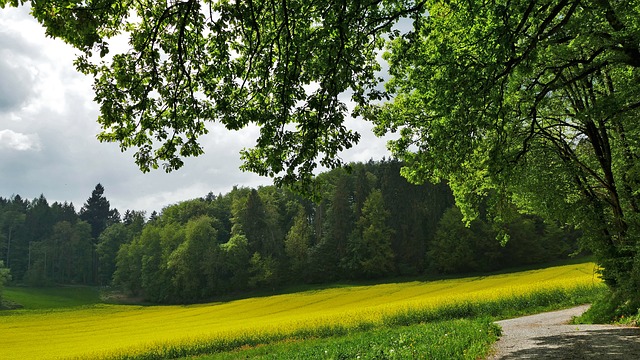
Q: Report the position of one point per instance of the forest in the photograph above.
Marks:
(366, 222)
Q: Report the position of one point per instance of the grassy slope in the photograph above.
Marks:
(161, 331)
(53, 298)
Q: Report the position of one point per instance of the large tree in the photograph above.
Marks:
(281, 65)
(98, 214)
(536, 101)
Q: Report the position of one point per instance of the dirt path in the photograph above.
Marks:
(549, 336)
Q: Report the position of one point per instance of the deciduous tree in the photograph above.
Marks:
(282, 65)
(534, 100)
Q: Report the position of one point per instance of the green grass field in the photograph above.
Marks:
(334, 318)
(53, 298)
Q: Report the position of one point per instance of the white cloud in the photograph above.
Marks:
(12, 140)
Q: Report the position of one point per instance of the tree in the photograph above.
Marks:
(340, 217)
(97, 211)
(276, 63)
(11, 220)
(98, 214)
(537, 100)
(458, 248)
(37, 227)
(128, 267)
(4, 278)
(262, 271)
(336, 226)
(107, 248)
(297, 244)
(253, 218)
(236, 257)
(370, 254)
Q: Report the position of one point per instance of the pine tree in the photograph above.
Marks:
(98, 214)
(97, 211)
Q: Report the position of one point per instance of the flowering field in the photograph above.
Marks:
(104, 331)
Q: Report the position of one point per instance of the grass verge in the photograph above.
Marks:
(449, 339)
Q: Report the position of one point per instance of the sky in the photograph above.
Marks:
(48, 134)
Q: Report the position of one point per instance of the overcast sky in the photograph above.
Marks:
(48, 133)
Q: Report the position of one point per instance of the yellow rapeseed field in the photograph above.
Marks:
(107, 330)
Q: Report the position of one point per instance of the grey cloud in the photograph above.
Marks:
(16, 81)
(16, 85)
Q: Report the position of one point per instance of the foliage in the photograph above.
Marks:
(49, 243)
(97, 212)
(457, 248)
(369, 222)
(297, 245)
(154, 332)
(535, 101)
(237, 256)
(274, 237)
(192, 263)
(369, 248)
(109, 242)
(12, 221)
(262, 271)
(283, 66)
(5, 277)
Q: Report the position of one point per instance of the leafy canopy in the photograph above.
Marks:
(281, 65)
(535, 100)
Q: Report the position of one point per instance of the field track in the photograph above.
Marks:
(103, 330)
(550, 336)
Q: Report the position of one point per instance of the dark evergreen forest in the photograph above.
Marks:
(368, 222)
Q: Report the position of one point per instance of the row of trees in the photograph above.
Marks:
(368, 223)
(52, 243)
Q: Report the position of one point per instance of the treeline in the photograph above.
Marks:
(45, 244)
(368, 222)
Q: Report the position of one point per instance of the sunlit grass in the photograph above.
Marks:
(162, 331)
(448, 340)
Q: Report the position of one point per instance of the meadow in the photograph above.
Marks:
(343, 314)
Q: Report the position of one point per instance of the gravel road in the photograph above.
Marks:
(549, 336)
